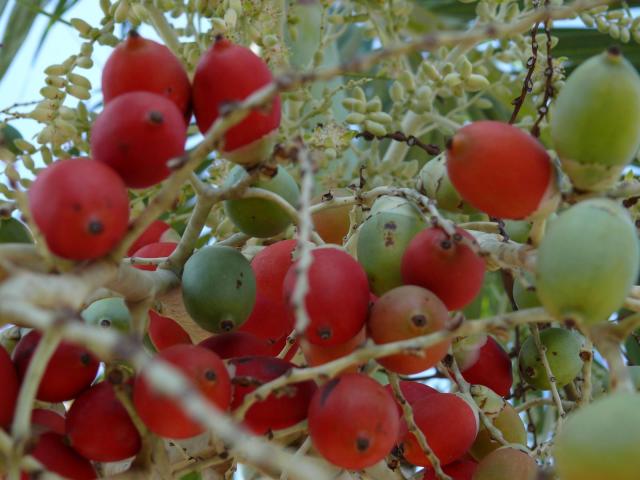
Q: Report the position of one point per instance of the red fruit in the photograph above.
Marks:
(412, 392)
(70, 370)
(444, 265)
(137, 134)
(460, 470)
(99, 427)
(492, 368)
(277, 411)
(228, 73)
(9, 391)
(269, 318)
(165, 332)
(52, 452)
(81, 207)
(48, 420)
(499, 169)
(154, 250)
(353, 421)
(158, 231)
(139, 64)
(163, 415)
(449, 425)
(236, 344)
(320, 354)
(338, 298)
(408, 312)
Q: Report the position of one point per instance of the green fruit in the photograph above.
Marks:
(487, 400)
(563, 354)
(108, 313)
(509, 423)
(7, 135)
(382, 240)
(507, 464)
(632, 348)
(595, 125)
(434, 182)
(518, 230)
(14, 231)
(587, 262)
(525, 297)
(600, 441)
(218, 288)
(258, 217)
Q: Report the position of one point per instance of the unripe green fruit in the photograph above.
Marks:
(596, 121)
(258, 217)
(525, 297)
(507, 464)
(218, 288)
(563, 355)
(382, 240)
(600, 441)
(587, 262)
(434, 181)
(518, 230)
(108, 313)
(509, 423)
(14, 231)
(7, 135)
(487, 400)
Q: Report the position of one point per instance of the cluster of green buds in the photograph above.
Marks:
(367, 114)
(619, 24)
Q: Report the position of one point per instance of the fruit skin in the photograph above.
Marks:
(165, 332)
(525, 297)
(52, 452)
(507, 464)
(154, 250)
(140, 64)
(269, 318)
(258, 217)
(110, 436)
(14, 231)
(137, 134)
(108, 313)
(158, 231)
(277, 411)
(563, 355)
(70, 370)
(7, 136)
(509, 423)
(244, 73)
(353, 421)
(449, 425)
(409, 312)
(10, 386)
(492, 368)
(218, 288)
(332, 224)
(319, 355)
(81, 207)
(236, 344)
(444, 265)
(412, 391)
(435, 183)
(382, 240)
(337, 301)
(595, 123)
(47, 420)
(478, 150)
(163, 415)
(460, 470)
(587, 262)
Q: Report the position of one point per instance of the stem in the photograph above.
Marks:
(411, 123)
(542, 350)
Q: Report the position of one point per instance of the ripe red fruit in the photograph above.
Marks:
(412, 392)
(353, 421)
(444, 265)
(81, 208)
(278, 410)
(449, 425)
(408, 312)
(52, 452)
(269, 318)
(320, 354)
(163, 415)
(48, 421)
(165, 332)
(99, 427)
(338, 298)
(154, 250)
(137, 134)
(70, 370)
(158, 231)
(139, 64)
(228, 73)
(460, 470)
(492, 368)
(236, 344)
(9, 395)
(499, 169)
